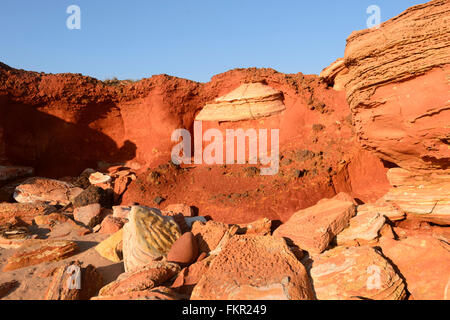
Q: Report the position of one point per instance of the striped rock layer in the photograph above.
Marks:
(147, 236)
(247, 102)
(355, 273)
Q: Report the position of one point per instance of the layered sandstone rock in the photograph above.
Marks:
(24, 211)
(34, 252)
(397, 86)
(249, 101)
(46, 190)
(424, 262)
(424, 196)
(355, 273)
(363, 228)
(141, 279)
(73, 282)
(254, 268)
(147, 236)
(314, 228)
(13, 237)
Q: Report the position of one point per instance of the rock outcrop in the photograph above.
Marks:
(397, 87)
(254, 268)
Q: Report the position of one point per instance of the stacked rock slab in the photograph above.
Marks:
(355, 273)
(254, 268)
(247, 102)
(50, 191)
(314, 228)
(421, 195)
(147, 236)
(34, 252)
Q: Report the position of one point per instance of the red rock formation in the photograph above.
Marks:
(397, 86)
(62, 124)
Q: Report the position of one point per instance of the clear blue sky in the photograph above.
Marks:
(193, 39)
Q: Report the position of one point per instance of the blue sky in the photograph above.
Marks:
(193, 39)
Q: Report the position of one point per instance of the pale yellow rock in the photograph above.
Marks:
(148, 236)
(108, 248)
(249, 101)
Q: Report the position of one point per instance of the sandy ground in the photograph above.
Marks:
(33, 283)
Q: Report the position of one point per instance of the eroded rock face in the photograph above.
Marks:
(50, 191)
(249, 101)
(423, 196)
(313, 229)
(254, 268)
(355, 273)
(398, 87)
(35, 252)
(147, 236)
(424, 262)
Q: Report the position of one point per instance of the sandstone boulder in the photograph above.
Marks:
(89, 215)
(424, 262)
(111, 225)
(184, 251)
(34, 252)
(314, 228)
(24, 211)
(363, 228)
(50, 191)
(184, 209)
(210, 234)
(141, 279)
(355, 273)
(147, 236)
(254, 268)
